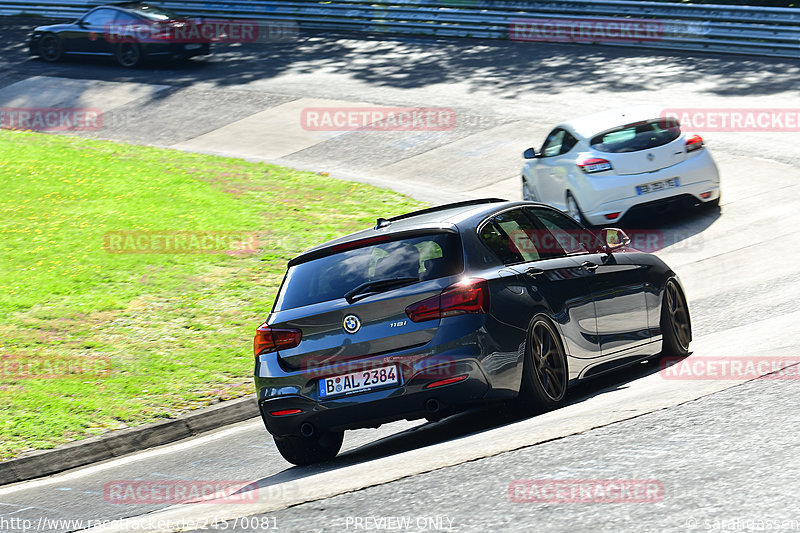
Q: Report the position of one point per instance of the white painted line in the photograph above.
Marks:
(116, 463)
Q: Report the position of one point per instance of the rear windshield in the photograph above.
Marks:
(639, 136)
(330, 278)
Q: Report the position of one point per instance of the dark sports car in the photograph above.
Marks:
(433, 311)
(130, 32)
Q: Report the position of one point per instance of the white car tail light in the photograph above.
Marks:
(594, 164)
(695, 142)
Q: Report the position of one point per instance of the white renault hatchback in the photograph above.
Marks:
(598, 167)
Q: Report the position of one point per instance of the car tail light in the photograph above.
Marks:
(612, 216)
(695, 142)
(446, 381)
(705, 195)
(468, 296)
(269, 339)
(594, 164)
(286, 412)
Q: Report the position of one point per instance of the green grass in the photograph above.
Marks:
(168, 332)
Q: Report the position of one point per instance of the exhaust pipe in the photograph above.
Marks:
(307, 429)
(432, 405)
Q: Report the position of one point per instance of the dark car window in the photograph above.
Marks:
(498, 242)
(101, 17)
(429, 256)
(567, 234)
(514, 237)
(639, 136)
(154, 13)
(127, 18)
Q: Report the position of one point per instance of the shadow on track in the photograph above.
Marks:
(459, 425)
(507, 68)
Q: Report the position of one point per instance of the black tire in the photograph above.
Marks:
(303, 451)
(545, 372)
(50, 48)
(527, 191)
(713, 204)
(676, 324)
(129, 54)
(575, 212)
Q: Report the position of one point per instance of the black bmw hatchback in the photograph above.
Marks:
(431, 312)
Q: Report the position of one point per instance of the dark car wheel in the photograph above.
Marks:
(128, 55)
(544, 374)
(50, 48)
(676, 325)
(309, 450)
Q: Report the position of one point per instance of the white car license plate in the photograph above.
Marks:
(358, 381)
(657, 186)
(194, 46)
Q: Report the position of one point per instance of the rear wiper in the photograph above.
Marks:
(373, 287)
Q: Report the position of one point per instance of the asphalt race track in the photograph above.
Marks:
(723, 452)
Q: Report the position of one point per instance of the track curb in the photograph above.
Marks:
(125, 441)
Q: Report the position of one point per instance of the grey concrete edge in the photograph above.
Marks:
(125, 441)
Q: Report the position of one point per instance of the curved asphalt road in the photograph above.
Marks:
(727, 456)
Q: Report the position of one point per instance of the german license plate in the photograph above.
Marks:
(193, 46)
(657, 186)
(358, 381)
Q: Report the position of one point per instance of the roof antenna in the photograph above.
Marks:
(382, 223)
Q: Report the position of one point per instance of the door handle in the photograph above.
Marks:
(534, 272)
(588, 265)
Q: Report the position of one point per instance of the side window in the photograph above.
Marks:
(514, 238)
(552, 145)
(570, 236)
(499, 244)
(125, 18)
(101, 17)
(568, 143)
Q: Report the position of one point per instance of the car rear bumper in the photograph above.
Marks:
(599, 196)
(412, 398)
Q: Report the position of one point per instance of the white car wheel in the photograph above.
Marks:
(572, 208)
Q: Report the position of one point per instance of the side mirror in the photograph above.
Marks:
(614, 239)
(530, 153)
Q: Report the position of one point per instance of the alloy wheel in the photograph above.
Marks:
(548, 361)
